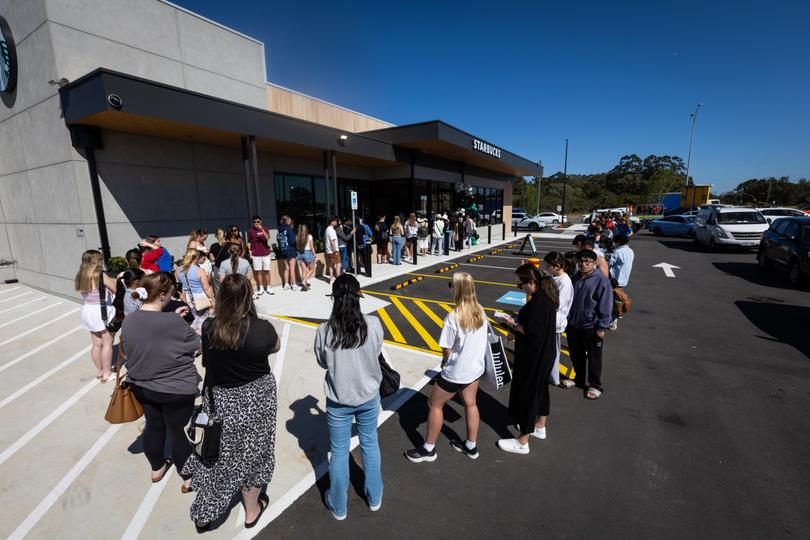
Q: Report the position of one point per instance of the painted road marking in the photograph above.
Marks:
(44, 376)
(13, 297)
(475, 280)
(34, 329)
(25, 304)
(34, 351)
(428, 300)
(488, 266)
(433, 317)
(389, 324)
(28, 314)
(33, 518)
(9, 290)
(280, 355)
(45, 422)
(145, 509)
(425, 335)
(513, 298)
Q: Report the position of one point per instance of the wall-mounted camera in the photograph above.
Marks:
(115, 101)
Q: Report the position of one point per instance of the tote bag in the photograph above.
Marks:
(496, 367)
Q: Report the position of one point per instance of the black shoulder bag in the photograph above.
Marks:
(390, 379)
(114, 325)
(205, 430)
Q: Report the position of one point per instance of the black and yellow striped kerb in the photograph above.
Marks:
(411, 281)
(444, 269)
(510, 246)
(495, 251)
(476, 258)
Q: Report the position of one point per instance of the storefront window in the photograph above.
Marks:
(302, 198)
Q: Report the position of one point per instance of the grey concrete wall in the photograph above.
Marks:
(46, 210)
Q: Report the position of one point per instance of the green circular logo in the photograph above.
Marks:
(8, 58)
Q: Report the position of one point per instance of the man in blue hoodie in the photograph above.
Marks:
(588, 319)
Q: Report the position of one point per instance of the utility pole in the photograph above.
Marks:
(691, 138)
(565, 177)
(537, 184)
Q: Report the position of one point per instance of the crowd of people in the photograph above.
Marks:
(169, 314)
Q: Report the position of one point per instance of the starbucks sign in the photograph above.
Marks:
(8, 59)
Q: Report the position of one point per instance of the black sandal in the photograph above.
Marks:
(205, 527)
(263, 498)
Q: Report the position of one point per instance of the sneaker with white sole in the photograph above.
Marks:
(513, 446)
(259, 293)
(539, 433)
(375, 507)
(270, 291)
(461, 446)
(418, 455)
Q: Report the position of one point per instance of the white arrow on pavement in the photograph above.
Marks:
(667, 268)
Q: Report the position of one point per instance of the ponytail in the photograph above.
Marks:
(234, 251)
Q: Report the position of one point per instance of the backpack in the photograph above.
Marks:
(382, 233)
(281, 240)
(165, 262)
(423, 231)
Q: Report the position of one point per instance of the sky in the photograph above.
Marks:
(614, 78)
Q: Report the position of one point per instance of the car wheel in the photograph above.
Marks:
(533, 226)
(657, 231)
(794, 273)
(555, 222)
(762, 260)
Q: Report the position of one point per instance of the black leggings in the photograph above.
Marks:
(165, 412)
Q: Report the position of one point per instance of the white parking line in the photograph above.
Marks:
(42, 508)
(9, 290)
(282, 352)
(13, 297)
(34, 351)
(44, 376)
(45, 422)
(488, 266)
(34, 329)
(147, 505)
(27, 314)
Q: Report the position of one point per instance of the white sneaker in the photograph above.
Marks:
(539, 432)
(270, 291)
(259, 293)
(375, 507)
(513, 446)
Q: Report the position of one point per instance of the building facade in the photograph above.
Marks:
(124, 118)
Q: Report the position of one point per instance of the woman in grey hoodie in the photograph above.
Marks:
(349, 345)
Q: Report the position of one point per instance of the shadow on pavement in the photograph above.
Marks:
(308, 426)
(785, 323)
(685, 244)
(752, 273)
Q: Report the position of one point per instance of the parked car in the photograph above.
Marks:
(673, 226)
(522, 220)
(772, 214)
(550, 218)
(786, 245)
(733, 226)
(805, 209)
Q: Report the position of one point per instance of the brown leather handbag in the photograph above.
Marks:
(124, 406)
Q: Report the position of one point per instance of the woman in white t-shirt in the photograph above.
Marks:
(557, 266)
(464, 344)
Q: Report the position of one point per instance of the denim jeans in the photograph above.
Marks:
(396, 246)
(344, 259)
(438, 245)
(339, 417)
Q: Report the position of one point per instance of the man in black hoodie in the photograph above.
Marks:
(589, 317)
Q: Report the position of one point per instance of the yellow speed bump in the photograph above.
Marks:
(444, 269)
(402, 284)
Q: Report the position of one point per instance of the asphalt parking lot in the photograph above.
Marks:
(702, 430)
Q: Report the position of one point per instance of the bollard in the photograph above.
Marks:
(413, 249)
(489, 234)
(367, 259)
(503, 232)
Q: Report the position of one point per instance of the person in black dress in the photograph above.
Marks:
(535, 350)
(236, 345)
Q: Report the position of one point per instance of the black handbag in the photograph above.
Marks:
(205, 430)
(390, 379)
(114, 325)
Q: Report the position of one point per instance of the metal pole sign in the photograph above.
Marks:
(354, 226)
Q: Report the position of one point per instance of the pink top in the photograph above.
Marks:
(92, 298)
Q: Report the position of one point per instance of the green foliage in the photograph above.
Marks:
(632, 181)
(118, 264)
(769, 191)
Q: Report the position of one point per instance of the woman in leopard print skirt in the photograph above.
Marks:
(236, 345)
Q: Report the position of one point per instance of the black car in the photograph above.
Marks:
(786, 244)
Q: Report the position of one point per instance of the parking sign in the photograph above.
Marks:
(354, 200)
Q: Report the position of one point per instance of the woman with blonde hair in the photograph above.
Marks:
(411, 234)
(305, 249)
(397, 233)
(197, 291)
(464, 345)
(92, 282)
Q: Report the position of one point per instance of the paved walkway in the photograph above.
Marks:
(65, 471)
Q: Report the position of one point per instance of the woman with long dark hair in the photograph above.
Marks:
(348, 346)
(236, 345)
(557, 266)
(535, 348)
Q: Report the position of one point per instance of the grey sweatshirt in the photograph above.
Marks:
(352, 375)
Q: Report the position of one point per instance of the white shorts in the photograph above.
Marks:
(261, 263)
(91, 317)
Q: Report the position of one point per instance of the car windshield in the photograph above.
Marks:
(732, 218)
(690, 219)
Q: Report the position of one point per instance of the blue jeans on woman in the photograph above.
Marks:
(339, 417)
(396, 246)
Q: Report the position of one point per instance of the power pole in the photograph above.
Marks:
(565, 177)
(691, 138)
(537, 185)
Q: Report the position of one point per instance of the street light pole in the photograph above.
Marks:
(691, 138)
(537, 185)
(565, 177)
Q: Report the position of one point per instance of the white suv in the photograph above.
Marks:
(735, 226)
(521, 220)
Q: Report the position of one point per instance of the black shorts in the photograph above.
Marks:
(450, 387)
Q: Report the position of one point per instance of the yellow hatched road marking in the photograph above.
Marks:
(510, 285)
(446, 307)
(392, 328)
(429, 313)
(418, 327)
(428, 300)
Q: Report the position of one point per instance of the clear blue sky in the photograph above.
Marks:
(613, 77)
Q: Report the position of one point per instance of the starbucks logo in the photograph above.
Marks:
(8, 58)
